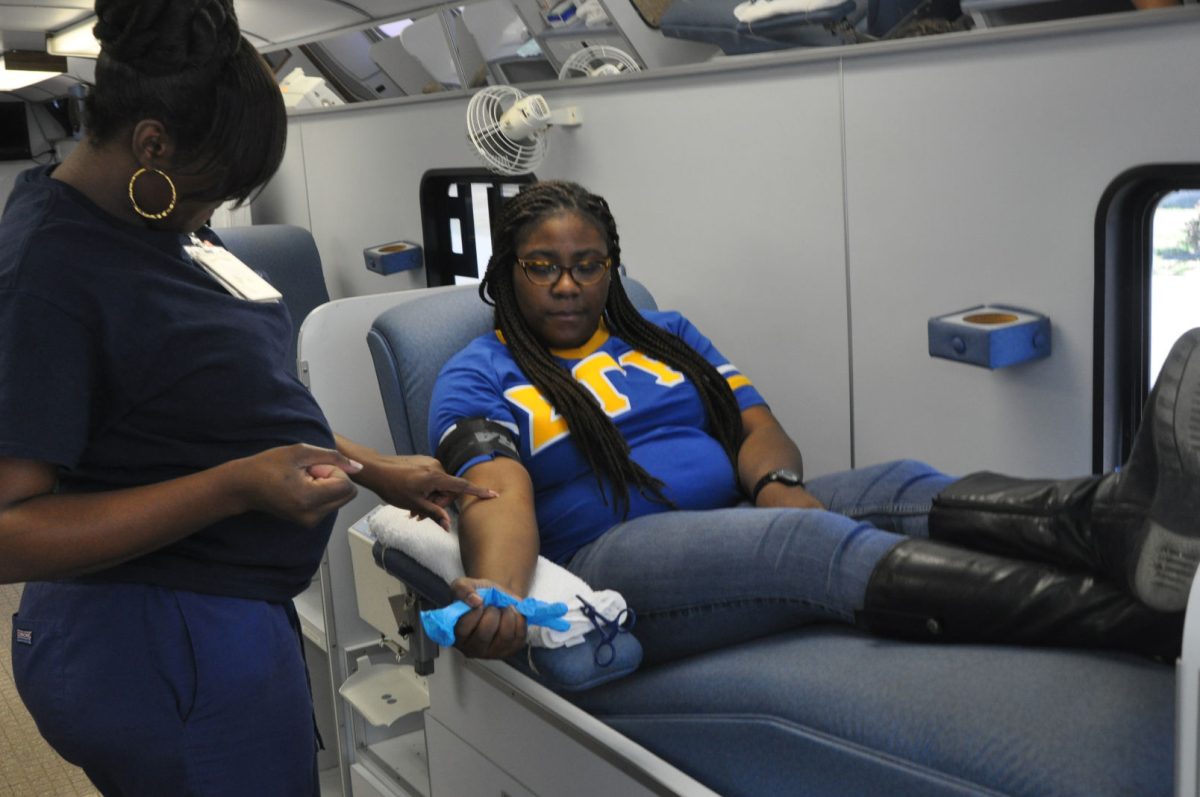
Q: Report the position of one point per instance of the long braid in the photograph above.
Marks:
(595, 435)
(624, 320)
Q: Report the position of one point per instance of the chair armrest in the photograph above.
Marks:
(570, 668)
(428, 586)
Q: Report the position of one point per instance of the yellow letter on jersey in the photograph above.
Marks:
(590, 372)
(663, 374)
(545, 424)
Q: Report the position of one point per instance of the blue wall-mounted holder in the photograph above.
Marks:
(393, 257)
(991, 335)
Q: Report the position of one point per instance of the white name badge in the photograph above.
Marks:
(234, 275)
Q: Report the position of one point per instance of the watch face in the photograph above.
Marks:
(786, 476)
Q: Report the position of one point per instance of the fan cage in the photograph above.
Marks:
(598, 61)
(497, 151)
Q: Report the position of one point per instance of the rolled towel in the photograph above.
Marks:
(438, 550)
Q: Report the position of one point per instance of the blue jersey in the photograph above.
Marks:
(656, 408)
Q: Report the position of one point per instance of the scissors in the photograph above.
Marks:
(606, 651)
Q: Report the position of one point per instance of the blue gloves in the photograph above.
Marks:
(439, 623)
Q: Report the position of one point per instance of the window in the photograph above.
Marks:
(1147, 294)
(1174, 273)
(457, 208)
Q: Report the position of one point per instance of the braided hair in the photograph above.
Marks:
(186, 64)
(595, 435)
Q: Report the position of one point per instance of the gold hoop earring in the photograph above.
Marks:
(137, 209)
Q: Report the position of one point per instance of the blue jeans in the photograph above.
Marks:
(707, 579)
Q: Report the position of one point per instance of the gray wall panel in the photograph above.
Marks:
(364, 174)
(973, 175)
(284, 200)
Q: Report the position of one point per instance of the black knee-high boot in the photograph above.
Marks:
(929, 591)
(1139, 527)
(1047, 520)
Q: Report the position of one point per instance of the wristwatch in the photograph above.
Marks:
(782, 475)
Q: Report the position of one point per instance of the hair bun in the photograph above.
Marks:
(161, 37)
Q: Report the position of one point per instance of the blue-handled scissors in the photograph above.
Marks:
(608, 630)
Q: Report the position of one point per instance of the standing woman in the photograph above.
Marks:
(167, 485)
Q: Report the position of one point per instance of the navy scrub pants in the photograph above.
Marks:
(157, 692)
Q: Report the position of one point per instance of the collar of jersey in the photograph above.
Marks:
(597, 340)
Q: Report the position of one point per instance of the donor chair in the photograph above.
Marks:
(819, 710)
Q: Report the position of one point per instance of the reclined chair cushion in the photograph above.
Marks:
(827, 710)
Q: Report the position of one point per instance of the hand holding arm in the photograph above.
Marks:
(416, 483)
(767, 447)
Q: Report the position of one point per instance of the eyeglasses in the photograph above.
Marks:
(543, 272)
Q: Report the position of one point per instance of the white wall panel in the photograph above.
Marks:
(973, 175)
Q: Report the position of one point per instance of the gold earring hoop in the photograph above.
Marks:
(137, 208)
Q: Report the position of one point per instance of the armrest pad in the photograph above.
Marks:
(428, 585)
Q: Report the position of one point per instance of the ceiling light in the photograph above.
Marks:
(75, 40)
(13, 79)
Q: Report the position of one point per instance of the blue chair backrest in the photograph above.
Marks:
(412, 341)
(287, 257)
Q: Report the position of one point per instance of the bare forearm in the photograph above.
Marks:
(368, 457)
(498, 536)
(44, 534)
(59, 536)
(765, 449)
(502, 549)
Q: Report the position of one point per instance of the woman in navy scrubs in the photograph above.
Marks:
(167, 485)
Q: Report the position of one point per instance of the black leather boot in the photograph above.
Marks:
(1139, 527)
(929, 591)
(1046, 520)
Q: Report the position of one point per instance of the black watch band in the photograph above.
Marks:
(782, 475)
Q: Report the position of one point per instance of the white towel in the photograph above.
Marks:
(437, 549)
(754, 10)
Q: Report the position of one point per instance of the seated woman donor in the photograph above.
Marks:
(624, 446)
(167, 484)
